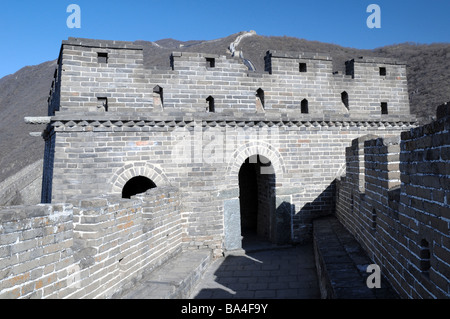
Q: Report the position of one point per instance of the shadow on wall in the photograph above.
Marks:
(277, 274)
(322, 205)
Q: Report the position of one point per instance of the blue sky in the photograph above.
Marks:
(31, 31)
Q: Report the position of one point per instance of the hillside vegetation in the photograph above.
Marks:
(25, 92)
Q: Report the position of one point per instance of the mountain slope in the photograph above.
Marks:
(25, 92)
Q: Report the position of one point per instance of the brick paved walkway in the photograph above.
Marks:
(287, 273)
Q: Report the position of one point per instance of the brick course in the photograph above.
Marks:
(89, 248)
(94, 149)
(113, 120)
(401, 214)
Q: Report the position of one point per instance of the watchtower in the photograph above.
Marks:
(247, 151)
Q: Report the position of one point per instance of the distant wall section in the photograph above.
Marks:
(24, 187)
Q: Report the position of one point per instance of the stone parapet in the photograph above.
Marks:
(402, 215)
(88, 248)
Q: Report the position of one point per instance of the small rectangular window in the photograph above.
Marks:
(302, 67)
(210, 62)
(382, 71)
(102, 57)
(384, 108)
(102, 104)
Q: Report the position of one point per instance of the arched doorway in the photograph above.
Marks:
(137, 185)
(256, 199)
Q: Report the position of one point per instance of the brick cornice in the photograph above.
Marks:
(82, 124)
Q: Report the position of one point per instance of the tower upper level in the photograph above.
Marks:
(98, 76)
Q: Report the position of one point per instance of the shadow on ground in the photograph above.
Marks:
(263, 271)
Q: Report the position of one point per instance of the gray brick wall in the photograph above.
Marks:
(35, 245)
(106, 129)
(401, 214)
(103, 159)
(129, 86)
(101, 144)
(89, 248)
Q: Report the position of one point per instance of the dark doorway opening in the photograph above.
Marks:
(256, 199)
(137, 185)
(248, 198)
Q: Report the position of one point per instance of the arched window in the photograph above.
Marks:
(158, 97)
(344, 99)
(304, 106)
(259, 99)
(137, 185)
(210, 101)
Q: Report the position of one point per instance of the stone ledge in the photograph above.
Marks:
(110, 44)
(298, 55)
(37, 119)
(379, 60)
(75, 122)
(173, 280)
(341, 264)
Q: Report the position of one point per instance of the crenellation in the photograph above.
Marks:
(188, 66)
(401, 208)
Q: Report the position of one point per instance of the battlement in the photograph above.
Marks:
(278, 62)
(107, 44)
(88, 248)
(394, 200)
(110, 77)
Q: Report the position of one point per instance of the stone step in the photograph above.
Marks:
(342, 263)
(173, 280)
